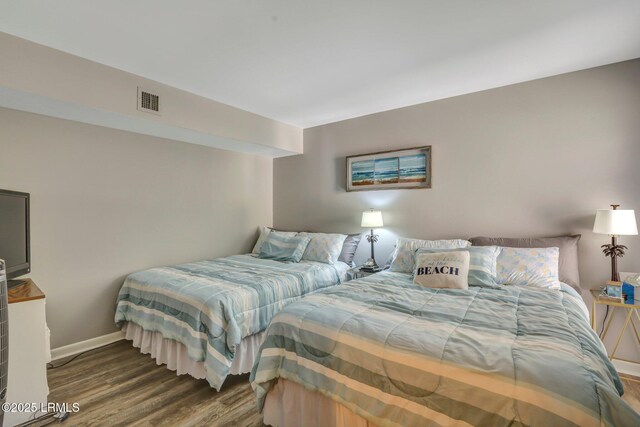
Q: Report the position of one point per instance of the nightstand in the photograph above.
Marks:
(632, 310)
(358, 273)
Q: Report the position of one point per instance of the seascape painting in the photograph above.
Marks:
(386, 170)
(413, 168)
(410, 168)
(362, 173)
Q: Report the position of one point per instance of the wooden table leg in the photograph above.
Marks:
(606, 329)
(626, 323)
(635, 311)
(593, 315)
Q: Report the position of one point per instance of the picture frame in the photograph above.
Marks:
(408, 168)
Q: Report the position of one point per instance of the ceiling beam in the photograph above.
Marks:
(46, 81)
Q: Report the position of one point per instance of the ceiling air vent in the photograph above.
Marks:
(148, 102)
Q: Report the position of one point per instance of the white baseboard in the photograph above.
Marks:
(90, 344)
(629, 368)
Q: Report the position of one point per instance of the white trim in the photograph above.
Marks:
(629, 368)
(90, 344)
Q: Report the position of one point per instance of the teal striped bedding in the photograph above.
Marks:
(402, 355)
(209, 306)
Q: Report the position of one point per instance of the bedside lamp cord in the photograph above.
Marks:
(604, 319)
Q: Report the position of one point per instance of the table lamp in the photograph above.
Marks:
(615, 222)
(371, 219)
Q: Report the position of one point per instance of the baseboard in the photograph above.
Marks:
(90, 344)
(628, 368)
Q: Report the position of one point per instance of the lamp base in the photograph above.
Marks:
(371, 266)
(614, 250)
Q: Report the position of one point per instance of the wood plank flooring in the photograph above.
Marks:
(117, 385)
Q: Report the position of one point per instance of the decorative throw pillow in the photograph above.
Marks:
(323, 247)
(403, 257)
(482, 263)
(529, 267)
(349, 248)
(283, 248)
(567, 264)
(442, 270)
(264, 233)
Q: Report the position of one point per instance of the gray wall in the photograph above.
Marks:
(105, 203)
(532, 159)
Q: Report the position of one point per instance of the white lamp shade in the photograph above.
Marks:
(619, 222)
(371, 219)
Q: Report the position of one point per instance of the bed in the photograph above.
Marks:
(207, 318)
(383, 351)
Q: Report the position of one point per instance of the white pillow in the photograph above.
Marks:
(264, 233)
(529, 267)
(323, 247)
(404, 255)
(442, 270)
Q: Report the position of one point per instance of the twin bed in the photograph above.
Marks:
(378, 350)
(207, 318)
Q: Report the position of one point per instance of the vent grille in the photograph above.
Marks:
(148, 101)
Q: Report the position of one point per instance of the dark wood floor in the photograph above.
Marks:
(117, 385)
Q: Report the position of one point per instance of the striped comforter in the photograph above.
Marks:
(209, 306)
(402, 355)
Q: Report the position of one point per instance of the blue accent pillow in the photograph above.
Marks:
(284, 248)
(482, 263)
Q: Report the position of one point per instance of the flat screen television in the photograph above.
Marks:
(14, 234)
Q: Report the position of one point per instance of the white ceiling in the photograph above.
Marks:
(310, 62)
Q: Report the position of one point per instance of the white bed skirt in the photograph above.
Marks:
(289, 404)
(174, 354)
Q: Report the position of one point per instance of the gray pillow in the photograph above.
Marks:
(349, 248)
(568, 264)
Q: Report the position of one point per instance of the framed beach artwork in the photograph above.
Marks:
(389, 170)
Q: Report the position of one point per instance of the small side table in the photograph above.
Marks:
(358, 273)
(632, 309)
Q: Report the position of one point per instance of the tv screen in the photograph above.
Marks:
(14, 232)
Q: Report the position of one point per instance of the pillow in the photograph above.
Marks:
(264, 233)
(349, 248)
(284, 248)
(387, 263)
(568, 263)
(403, 257)
(529, 267)
(323, 247)
(482, 263)
(442, 270)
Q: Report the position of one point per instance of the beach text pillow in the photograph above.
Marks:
(404, 255)
(482, 263)
(442, 270)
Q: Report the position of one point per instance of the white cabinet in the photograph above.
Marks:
(28, 355)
